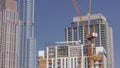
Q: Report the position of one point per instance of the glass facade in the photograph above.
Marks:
(27, 42)
(26, 10)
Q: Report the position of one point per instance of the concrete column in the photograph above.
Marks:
(55, 56)
(47, 57)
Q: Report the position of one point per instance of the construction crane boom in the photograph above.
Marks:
(79, 15)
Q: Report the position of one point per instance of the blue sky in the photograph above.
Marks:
(52, 16)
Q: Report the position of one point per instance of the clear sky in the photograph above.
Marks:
(52, 16)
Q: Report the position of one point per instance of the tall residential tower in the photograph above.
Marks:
(8, 34)
(27, 43)
(75, 32)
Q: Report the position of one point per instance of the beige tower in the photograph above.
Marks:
(8, 34)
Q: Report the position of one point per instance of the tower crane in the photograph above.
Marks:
(89, 34)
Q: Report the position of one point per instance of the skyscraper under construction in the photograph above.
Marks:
(76, 32)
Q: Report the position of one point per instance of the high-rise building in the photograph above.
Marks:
(63, 55)
(75, 32)
(26, 39)
(8, 34)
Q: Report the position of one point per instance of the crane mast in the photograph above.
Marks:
(90, 34)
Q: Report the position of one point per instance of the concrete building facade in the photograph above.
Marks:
(8, 33)
(70, 56)
(104, 31)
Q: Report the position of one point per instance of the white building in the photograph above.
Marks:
(70, 56)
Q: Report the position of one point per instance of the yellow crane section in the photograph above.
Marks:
(90, 35)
